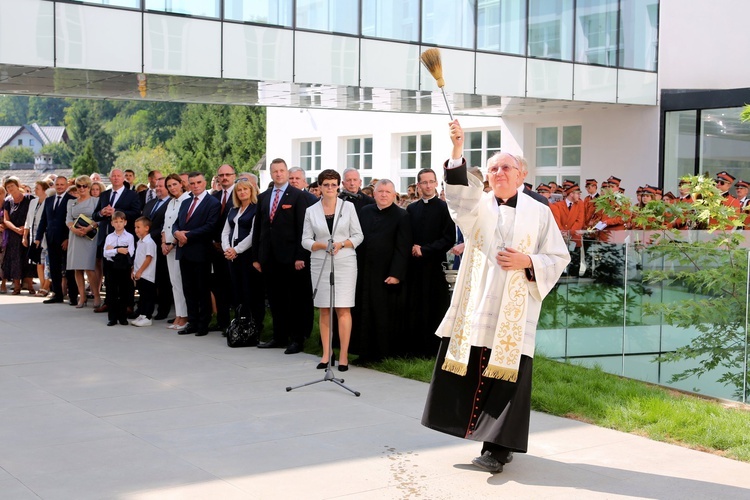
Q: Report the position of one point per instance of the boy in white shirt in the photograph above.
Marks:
(118, 252)
(144, 271)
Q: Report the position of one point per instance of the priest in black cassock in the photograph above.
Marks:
(381, 271)
(514, 255)
(433, 233)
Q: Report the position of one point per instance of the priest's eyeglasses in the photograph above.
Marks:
(494, 169)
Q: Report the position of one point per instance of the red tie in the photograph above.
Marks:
(192, 207)
(275, 204)
(224, 201)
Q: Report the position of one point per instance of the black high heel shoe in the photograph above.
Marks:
(322, 366)
(343, 368)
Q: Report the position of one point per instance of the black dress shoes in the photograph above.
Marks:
(271, 344)
(293, 348)
(201, 333)
(488, 462)
(189, 330)
(111, 323)
(123, 322)
(53, 300)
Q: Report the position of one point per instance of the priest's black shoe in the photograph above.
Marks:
(271, 344)
(293, 348)
(201, 333)
(488, 462)
(123, 322)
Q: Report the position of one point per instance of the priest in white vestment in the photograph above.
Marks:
(514, 254)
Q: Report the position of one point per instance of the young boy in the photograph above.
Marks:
(119, 248)
(144, 271)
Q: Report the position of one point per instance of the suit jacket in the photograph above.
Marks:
(281, 240)
(345, 224)
(199, 246)
(52, 223)
(568, 220)
(157, 221)
(128, 202)
(142, 196)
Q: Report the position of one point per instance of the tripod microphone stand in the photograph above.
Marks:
(328, 376)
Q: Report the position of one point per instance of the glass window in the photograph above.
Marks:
(639, 34)
(448, 22)
(679, 147)
(337, 16)
(277, 12)
(32, 143)
(596, 32)
(203, 8)
(551, 29)
(416, 152)
(501, 26)
(309, 155)
(393, 19)
(724, 143)
(558, 146)
(132, 4)
(20, 142)
(405, 183)
(359, 153)
(480, 145)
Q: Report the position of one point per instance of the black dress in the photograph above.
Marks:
(383, 253)
(15, 263)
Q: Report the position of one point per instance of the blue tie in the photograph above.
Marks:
(156, 207)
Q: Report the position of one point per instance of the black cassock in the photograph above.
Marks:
(383, 253)
(429, 298)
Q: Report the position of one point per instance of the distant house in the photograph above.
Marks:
(35, 137)
(31, 136)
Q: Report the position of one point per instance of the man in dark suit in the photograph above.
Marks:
(155, 210)
(52, 225)
(277, 253)
(149, 194)
(221, 282)
(351, 191)
(193, 230)
(117, 198)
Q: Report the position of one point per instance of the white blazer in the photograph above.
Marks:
(346, 227)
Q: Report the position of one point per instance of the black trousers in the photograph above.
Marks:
(147, 293)
(196, 282)
(120, 292)
(291, 301)
(57, 258)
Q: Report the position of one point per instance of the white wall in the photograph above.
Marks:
(703, 44)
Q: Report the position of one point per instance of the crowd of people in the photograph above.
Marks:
(142, 250)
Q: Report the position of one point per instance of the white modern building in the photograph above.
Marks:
(645, 90)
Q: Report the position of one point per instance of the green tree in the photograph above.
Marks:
(211, 135)
(85, 163)
(47, 111)
(16, 154)
(85, 122)
(143, 160)
(14, 110)
(60, 153)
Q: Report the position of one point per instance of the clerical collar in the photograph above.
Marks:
(510, 202)
(428, 200)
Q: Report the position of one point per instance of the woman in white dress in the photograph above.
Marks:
(36, 209)
(177, 193)
(333, 219)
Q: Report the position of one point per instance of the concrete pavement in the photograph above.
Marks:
(89, 411)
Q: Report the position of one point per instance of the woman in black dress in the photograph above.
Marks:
(15, 263)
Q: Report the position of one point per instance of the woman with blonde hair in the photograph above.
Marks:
(236, 239)
(82, 240)
(15, 263)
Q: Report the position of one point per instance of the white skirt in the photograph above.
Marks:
(345, 269)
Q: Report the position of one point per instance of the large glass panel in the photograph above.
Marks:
(449, 22)
(394, 19)
(679, 147)
(203, 8)
(725, 143)
(571, 142)
(501, 26)
(596, 32)
(337, 16)
(133, 4)
(278, 12)
(639, 34)
(551, 29)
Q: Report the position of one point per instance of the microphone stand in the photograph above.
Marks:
(329, 376)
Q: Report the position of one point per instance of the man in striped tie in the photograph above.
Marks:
(278, 255)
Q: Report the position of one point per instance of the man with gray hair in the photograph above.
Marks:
(381, 266)
(351, 190)
(298, 179)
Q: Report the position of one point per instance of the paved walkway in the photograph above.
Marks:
(88, 411)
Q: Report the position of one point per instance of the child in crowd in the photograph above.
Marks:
(144, 272)
(119, 248)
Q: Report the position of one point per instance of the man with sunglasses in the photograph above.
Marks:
(220, 279)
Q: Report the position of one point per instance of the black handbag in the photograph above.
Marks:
(242, 331)
(34, 254)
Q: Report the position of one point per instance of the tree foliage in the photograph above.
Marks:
(86, 163)
(16, 154)
(84, 120)
(713, 267)
(60, 153)
(144, 159)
